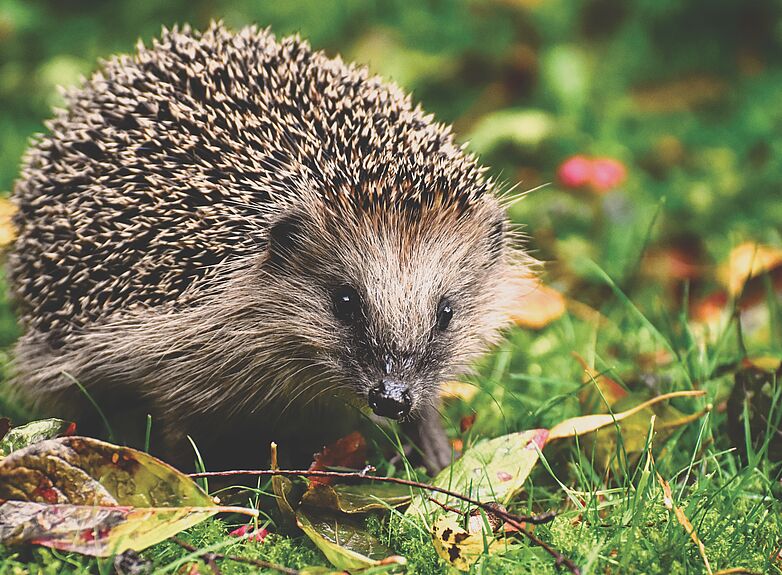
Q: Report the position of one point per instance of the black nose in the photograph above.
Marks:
(390, 399)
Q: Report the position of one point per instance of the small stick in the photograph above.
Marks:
(515, 520)
(446, 507)
(212, 564)
(210, 558)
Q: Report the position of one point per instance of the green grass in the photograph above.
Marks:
(607, 521)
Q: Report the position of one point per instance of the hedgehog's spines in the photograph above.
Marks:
(167, 163)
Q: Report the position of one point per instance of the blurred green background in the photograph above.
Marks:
(686, 95)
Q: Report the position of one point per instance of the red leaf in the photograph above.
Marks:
(467, 422)
(349, 451)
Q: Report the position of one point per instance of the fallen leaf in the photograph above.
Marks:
(7, 229)
(588, 423)
(461, 547)
(678, 262)
(709, 309)
(682, 519)
(538, 306)
(97, 530)
(466, 422)
(601, 445)
(496, 469)
(86, 495)
(344, 541)
(348, 452)
(283, 489)
(679, 95)
(458, 390)
(491, 470)
(24, 435)
(747, 261)
(359, 498)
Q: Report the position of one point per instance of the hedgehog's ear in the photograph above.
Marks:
(285, 235)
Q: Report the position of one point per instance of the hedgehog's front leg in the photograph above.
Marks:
(430, 438)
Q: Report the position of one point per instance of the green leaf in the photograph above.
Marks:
(526, 128)
(357, 498)
(24, 435)
(491, 470)
(344, 541)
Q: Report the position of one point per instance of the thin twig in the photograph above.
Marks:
(446, 507)
(515, 520)
(212, 564)
(210, 558)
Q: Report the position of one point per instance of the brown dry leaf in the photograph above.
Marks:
(348, 452)
(588, 423)
(7, 229)
(682, 519)
(538, 306)
(673, 263)
(747, 261)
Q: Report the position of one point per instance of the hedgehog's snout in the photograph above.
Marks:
(390, 399)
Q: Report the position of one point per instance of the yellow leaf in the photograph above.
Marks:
(459, 547)
(588, 423)
(538, 306)
(458, 390)
(747, 261)
(7, 229)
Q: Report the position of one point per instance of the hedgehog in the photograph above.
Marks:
(250, 240)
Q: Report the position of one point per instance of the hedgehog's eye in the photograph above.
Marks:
(444, 314)
(347, 303)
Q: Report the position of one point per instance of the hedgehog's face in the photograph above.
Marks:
(392, 305)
